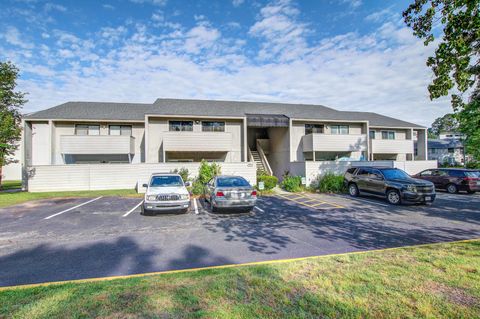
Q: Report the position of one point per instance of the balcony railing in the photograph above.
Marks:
(97, 144)
(197, 141)
(317, 142)
(391, 146)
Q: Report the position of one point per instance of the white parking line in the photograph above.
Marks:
(261, 210)
(133, 209)
(67, 210)
(195, 206)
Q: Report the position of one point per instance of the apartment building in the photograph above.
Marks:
(170, 131)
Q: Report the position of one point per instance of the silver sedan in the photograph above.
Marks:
(230, 192)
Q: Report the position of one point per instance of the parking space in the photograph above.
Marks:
(72, 238)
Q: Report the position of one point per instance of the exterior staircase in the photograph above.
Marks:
(258, 161)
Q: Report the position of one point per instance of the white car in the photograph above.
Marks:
(166, 193)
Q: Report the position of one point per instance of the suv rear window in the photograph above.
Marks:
(456, 173)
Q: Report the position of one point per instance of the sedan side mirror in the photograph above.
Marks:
(188, 184)
(145, 185)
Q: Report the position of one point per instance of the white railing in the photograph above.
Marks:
(97, 144)
(334, 143)
(264, 159)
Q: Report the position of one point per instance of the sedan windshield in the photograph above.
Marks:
(232, 182)
(166, 181)
(394, 174)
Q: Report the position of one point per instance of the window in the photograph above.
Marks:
(375, 174)
(451, 150)
(85, 129)
(456, 173)
(232, 182)
(166, 181)
(178, 126)
(432, 150)
(125, 130)
(211, 126)
(372, 135)
(364, 172)
(426, 173)
(388, 135)
(340, 129)
(313, 128)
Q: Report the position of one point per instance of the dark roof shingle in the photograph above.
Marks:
(137, 111)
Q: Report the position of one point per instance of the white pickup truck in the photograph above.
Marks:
(166, 193)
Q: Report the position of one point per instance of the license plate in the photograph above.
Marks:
(428, 198)
(238, 195)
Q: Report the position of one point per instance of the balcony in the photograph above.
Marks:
(197, 141)
(97, 144)
(391, 146)
(317, 142)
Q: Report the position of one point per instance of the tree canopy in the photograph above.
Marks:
(455, 64)
(11, 103)
(446, 123)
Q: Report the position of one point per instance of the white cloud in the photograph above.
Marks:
(200, 37)
(353, 3)
(160, 3)
(381, 15)
(383, 71)
(283, 35)
(52, 6)
(237, 3)
(12, 36)
(108, 6)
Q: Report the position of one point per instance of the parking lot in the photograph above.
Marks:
(76, 238)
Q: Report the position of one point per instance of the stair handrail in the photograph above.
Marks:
(250, 156)
(264, 160)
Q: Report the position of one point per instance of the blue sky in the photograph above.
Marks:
(346, 54)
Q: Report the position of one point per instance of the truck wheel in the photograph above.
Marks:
(145, 212)
(393, 197)
(353, 190)
(452, 188)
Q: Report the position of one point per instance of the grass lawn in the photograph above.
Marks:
(435, 281)
(8, 199)
(11, 185)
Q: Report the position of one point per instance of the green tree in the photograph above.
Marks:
(11, 103)
(446, 123)
(456, 62)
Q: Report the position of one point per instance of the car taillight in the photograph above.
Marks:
(254, 193)
(220, 194)
(470, 179)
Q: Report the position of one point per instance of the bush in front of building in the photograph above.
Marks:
(206, 172)
(329, 183)
(269, 181)
(292, 183)
(183, 172)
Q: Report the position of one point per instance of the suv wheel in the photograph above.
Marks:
(393, 197)
(452, 188)
(353, 190)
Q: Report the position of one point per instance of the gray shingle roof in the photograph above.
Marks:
(135, 111)
(444, 143)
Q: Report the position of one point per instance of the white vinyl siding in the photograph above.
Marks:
(197, 141)
(102, 144)
(334, 143)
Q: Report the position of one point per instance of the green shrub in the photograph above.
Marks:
(183, 172)
(292, 183)
(206, 172)
(473, 165)
(329, 183)
(269, 181)
(197, 188)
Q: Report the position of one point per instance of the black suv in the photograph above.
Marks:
(392, 183)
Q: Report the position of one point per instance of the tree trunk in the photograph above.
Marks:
(1, 172)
